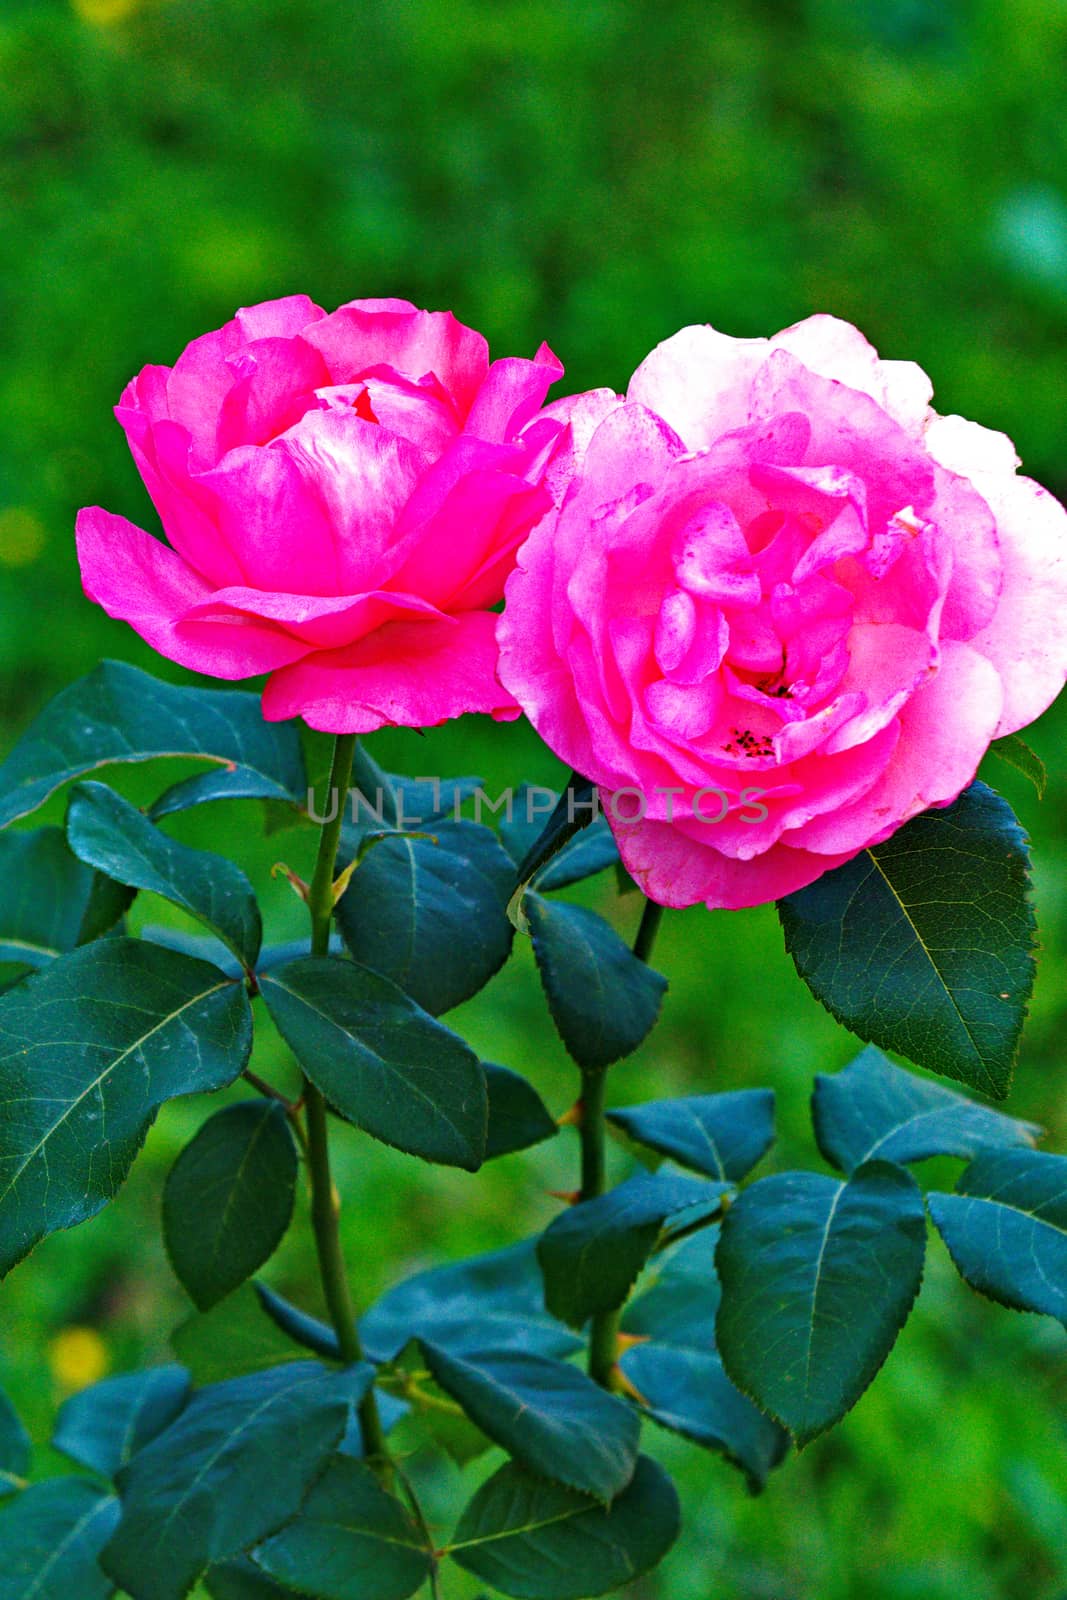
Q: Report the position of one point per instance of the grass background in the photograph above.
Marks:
(595, 173)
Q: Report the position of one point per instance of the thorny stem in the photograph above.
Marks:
(325, 1206)
(604, 1329)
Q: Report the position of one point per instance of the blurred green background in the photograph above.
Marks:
(595, 173)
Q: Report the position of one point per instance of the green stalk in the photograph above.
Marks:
(325, 1205)
(604, 1329)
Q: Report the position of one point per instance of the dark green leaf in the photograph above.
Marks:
(389, 800)
(688, 1392)
(231, 1470)
(818, 1277)
(108, 833)
(518, 1117)
(723, 1135)
(874, 1108)
(222, 784)
(107, 904)
(923, 944)
(431, 913)
(603, 1000)
(1017, 753)
(233, 1338)
(302, 1329)
(351, 1541)
(104, 1426)
(679, 1296)
(573, 811)
(240, 1580)
(548, 1415)
(229, 1198)
(14, 1448)
(1006, 1228)
(120, 714)
(493, 1302)
(207, 948)
(588, 851)
(380, 1061)
(50, 1537)
(539, 1541)
(390, 1411)
(48, 899)
(90, 1047)
(677, 1370)
(591, 1254)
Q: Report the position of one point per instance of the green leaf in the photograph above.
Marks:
(46, 896)
(587, 852)
(108, 833)
(677, 1370)
(818, 1277)
(548, 1415)
(350, 1541)
(102, 1427)
(1006, 1228)
(573, 811)
(493, 1301)
(240, 1580)
(875, 1109)
(50, 1536)
(233, 1338)
(105, 908)
(679, 1296)
(381, 1062)
(231, 1470)
(1017, 753)
(90, 1047)
(923, 944)
(431, 913)
(687, 1392)
(591, 1254)
(722, 1135)
(306, 1331)
(603, 1000)
(220, 783)
(120, 714)
(518, 1117)
(390, 800)
(539, 1541)
(229, 1197)
(14, 1448)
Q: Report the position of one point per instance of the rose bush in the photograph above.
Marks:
(343, 496)
(782, 608)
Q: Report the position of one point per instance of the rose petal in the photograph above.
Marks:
(368, 334)
(140, 581)
(698, 381)
(675, 870)
(407, 674)
(323, 622)
(945, 729)
(512, 394)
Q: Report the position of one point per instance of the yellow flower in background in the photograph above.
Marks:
(105, 12)
(77, 1357)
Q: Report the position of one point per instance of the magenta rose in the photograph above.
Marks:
(343, 496)
(783, 607)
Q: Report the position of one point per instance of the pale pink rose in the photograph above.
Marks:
(777, 570)
(343, 496)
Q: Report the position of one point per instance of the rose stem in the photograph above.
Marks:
(325, 1205)
(604, 1330)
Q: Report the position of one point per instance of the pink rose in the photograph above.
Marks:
(343, 496)
(777, 570)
